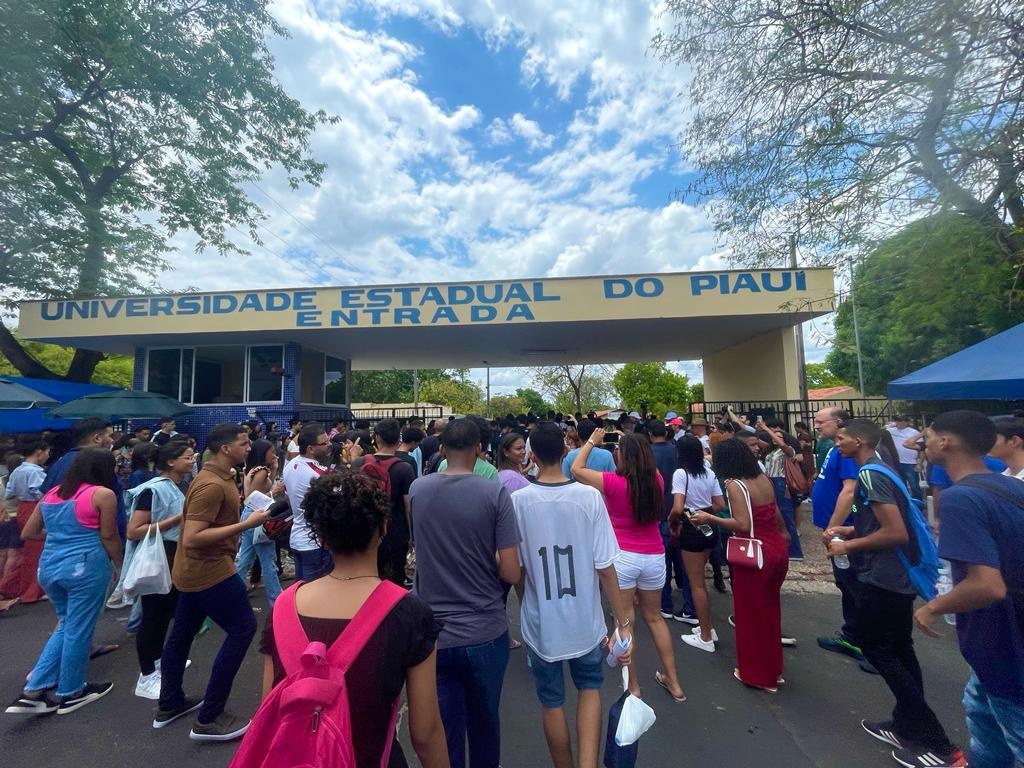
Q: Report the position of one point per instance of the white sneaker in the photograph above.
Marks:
(148, 686)
(188, 663)
(714, 634)
(696, 642)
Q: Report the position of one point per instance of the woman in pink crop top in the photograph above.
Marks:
(634, 496)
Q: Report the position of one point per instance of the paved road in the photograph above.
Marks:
(813, 721)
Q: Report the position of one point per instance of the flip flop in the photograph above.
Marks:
(103, 650)
(514, 644)
(6, 605)
(736, 674)
(660, 680)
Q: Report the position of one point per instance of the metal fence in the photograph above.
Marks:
(791, 411)
(328, 415)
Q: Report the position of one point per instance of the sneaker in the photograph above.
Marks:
(787, 640)
(883, 732)
(89, 694)
(225, 728)
(116, 601)
(686, 618)
(839, 644)
(188, 663)
(666, 614)
(148, 686)
(35, 703)
(165, 717)
(696, 642)
(714, 634)
(925, 758)
(867, 666)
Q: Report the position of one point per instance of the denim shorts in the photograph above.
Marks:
(586, 670)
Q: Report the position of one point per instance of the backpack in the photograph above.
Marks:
(924, 570)
(380, 471)
(305, 721)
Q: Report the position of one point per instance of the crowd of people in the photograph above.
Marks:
(416, 533)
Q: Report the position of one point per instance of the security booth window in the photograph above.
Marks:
(219, 375)
(334, 381)
(266, 374)
(169, 372)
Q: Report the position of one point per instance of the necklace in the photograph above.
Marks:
(350, 578)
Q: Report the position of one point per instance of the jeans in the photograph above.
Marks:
(227, 603)
(909, 474)
(393, 552)
(785, 503)
(135, 614)
(469, 680)
(886, 621)
(266, 552)
(674, 562)
(847, 582)
(996, 727)
(311, 563)
(77, 588)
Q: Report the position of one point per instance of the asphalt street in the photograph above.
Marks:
(813, 721)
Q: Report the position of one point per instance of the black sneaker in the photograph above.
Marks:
(225, 728)
(839, 644)
(38, 703)
(686, 618)
(165, 717)
(89, 694)
(913, 757)
(883, 732)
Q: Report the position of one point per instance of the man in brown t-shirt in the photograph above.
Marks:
(208, 586)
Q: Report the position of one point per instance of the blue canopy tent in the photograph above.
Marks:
(14, 420)
(990, 370)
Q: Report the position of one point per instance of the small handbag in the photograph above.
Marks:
(743, 551)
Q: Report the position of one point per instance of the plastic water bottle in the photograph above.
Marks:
(704, 528)
(842, 562)
(616, 648)
(944, 585)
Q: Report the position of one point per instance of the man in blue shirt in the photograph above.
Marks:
(832, 498)
(599, 459)
(982, 537)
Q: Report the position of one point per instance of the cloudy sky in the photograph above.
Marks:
(478, 140)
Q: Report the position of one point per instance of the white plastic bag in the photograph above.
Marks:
(636, 717)
(257, 501)
(148, 572)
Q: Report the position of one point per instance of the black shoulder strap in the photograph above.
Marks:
(991, 488)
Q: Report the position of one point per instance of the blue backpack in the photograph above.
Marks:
(924, 570)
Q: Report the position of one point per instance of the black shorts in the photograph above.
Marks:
(692, 540)
(10, 535)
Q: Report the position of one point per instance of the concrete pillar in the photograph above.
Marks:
(763, 367)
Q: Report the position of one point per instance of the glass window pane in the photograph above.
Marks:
(264, 383)
(219, 375)
(186, 375)
(334, 381)
(163, 371)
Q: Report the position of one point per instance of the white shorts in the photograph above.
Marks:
(645, 572)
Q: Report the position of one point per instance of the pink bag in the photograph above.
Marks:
(741, 551)
(305, 720)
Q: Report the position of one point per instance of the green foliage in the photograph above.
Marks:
(533, 401)
(114, 369)
(123, 123)
(460, 395)
(501, 405)
(652, 383)
(395, 386)
(832, 119)
(697, 392)
(940, 285)
(575, 387)
(819, 376)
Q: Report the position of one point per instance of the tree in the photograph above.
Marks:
(836, 120)
(652, 383)
(940, 285)
(123, 123)
(819, 375)
(533, 401)
(113, 369)
(460, 395)
(697, 392)
(575, 387)
(502, 405)
(394, 385)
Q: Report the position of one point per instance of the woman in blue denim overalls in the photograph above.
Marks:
(81, 553)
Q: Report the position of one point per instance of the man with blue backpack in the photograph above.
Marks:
(893, 557)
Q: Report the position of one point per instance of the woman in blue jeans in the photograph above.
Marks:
(260, 475)
(82, 551)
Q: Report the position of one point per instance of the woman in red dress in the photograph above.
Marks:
(755, 592)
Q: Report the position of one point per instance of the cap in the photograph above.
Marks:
(676, 422)
(671, 415)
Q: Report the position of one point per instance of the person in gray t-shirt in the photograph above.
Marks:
(466, 545)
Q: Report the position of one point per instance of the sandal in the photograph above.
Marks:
(514, 644)
(766, 689)
(661, 680)
(103, 650)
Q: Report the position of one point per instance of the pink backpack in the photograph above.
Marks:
(305, 722)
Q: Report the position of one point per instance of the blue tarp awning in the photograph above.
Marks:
(35, 419)
(990, 370)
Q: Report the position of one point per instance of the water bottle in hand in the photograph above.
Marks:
(704, 528)
(842, 562)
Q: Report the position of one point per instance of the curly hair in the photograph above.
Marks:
(345, 510)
